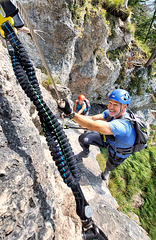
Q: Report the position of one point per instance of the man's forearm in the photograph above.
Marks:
(94, 125)
(84, 121)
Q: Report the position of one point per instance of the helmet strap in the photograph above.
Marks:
(121, 110)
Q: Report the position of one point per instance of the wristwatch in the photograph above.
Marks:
(71, 115)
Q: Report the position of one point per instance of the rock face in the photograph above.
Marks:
(29, 181)
(54, 19)
(34, 201)
(77, 52)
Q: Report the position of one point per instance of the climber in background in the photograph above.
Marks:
(109, 130)
(82, 105)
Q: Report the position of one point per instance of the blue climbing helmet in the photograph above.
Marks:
(121, 96)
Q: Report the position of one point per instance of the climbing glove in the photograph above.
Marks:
(64, 106)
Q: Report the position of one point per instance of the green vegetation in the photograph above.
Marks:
(130, 28)
(42, 133)
(115, 3)
(47, 81)
(84, 11)
(135, 177)
(142, 26)
(115, 8)
(143, 47)
(144, 16)
(114, 54)
(43, 70)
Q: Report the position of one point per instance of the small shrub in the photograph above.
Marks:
(130, 28)
(43, 70)
(115, 3)
(42, 133)
(113, 54)
(143, 47)
(47, 82)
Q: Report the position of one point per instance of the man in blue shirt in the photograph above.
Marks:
(119, 132)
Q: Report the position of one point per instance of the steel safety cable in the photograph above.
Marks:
(23, 13)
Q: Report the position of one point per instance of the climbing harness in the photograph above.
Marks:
(140, 126)
(59, 146)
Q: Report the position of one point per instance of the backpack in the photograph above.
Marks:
(140, 126)
(87, 104)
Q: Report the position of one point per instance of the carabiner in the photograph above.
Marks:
(93, 233)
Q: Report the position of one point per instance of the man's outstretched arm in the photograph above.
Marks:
(93, 123)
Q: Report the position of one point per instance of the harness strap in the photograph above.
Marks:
(122, 151)
(125, 151)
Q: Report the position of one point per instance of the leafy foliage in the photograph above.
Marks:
(115, 3)
(84, 11)
(142, 16)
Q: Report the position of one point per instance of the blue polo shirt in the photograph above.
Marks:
(123, 132)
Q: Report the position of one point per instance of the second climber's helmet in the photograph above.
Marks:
(121, 96)
(81, 97)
